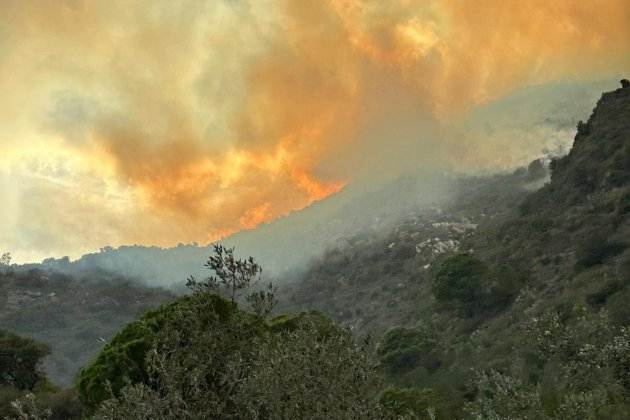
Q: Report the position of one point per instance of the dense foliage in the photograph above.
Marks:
(202, 357)
(403, 349)
(20, 360)
(22, 382)
(123, 360)
(568, 369)
(459, 280)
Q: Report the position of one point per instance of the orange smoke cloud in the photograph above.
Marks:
(215, 130)
(458, 54)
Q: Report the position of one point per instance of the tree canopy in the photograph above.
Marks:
(20, 360)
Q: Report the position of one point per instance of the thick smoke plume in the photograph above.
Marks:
(165, 121)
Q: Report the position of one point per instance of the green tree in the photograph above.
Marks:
(202, 357)
(123, 361)
(20, 360)
(458, 280)
(404, 349)
(231, 274)
(25, 392)
(5, 262)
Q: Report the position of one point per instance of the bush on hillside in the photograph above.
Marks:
(417, 402)
(20, 360)
(123, 361)
(47, 403)
(506, 284)
(404, 349)
(596, 249)
(468, 285)
(601, 296)
(458, 280)
(623, 205)
(205, 358)
(5, 263)
(8, 394)
(25, 393)
(584, 366)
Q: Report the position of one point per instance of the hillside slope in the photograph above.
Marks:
(577, 225)
(398, 181)
(561, 250)
(544, 233)
(75, 316)
(376, 279)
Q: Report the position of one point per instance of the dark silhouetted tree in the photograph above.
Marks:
(458, 281)
(19, 361)
(231, 274)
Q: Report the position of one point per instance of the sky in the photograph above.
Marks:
(165, 121)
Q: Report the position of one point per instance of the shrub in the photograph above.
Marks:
(596, 249)
(25, 392)
(507, 282)
(8, 394)
(123, 360)
(20, 360)
(202, 357)
(416, 402)
(618, 307)
(63, 405)
(47, 403)
(585, 364)
(600, 297)
(403, 349)
(458, 281)
(303, 373)
(208, 359)
(541, 224)
(623, 205)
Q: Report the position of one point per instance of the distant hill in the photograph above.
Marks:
(74, 315)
